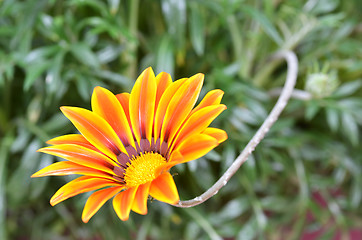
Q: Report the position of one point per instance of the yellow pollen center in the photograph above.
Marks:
(143, 168)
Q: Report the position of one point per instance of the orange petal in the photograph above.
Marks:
(77, 139)
(96, 201)
(80, 185)
(211, 98)
(106, 105)
(140, 201)
(180, 106)
(123, 202)
(196, 146)
(142, 105)
(163, 104)
(82, 156)
(198, 122)
(174, 159)
(123, 99)
(67, 168)
(95, 129)
(163, 188)
(163, 80)
(218, 134)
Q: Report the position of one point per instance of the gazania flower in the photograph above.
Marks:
(128, 142)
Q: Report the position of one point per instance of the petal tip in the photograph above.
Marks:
(85, 220)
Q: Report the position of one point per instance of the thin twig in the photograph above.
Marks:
(296, 94)
(287, 91)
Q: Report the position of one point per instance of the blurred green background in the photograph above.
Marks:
(303, 181)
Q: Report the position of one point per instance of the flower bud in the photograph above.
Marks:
(321, 84)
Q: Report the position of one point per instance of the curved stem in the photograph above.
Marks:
(296, 94)
(287, 91)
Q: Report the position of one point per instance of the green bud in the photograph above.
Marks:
(321, 84)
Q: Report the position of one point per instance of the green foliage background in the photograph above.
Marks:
(303, 177)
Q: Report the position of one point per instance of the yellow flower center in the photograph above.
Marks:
(143, 168)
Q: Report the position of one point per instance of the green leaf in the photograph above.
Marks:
(84, 54)
(95, 4)
(53, 78)
(41, 53)
(33, 72)
(20, 178)
(175, 15)
(5, 144)
(197, 31)
(109, 53)
(165, 58)
(348, 88)
(114, 77)
(232, 210)
(268, 27)
(350, 128)
(38, 185)
(312, 109)
(332, 118)
(248, 230)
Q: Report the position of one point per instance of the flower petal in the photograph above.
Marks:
(180, 106)
(122, 203)
(218, 134)
(140, 201)
(67, 168)
(175, 158)
(96, 201)
(80, 185)
(96, 130)
(142, 105)
(163, 80)
(82, 156)
(106, 105)
(77, 139)
(123, 99)
(163, 104)
(198, 122)
(163, 188)
(211, 98)
(196, 146)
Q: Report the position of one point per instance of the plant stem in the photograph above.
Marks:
(287, 91)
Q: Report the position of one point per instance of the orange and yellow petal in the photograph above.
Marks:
(163, 104)
(163, 80)
(123, 99)
(142, 105)
(122, 203)
(76, 139)
(211, 98)
(82, 156)
(81, 185)
(196, 146)
(96, 201)
(180, 106)
(218, 134)
(67, 168)
(95, 129)
(106, 105)
(198, 122)
(140, 201)
(163, 188)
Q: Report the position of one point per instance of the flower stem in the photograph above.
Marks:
(286, 93)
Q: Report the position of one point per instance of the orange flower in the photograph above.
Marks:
(129, 142)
